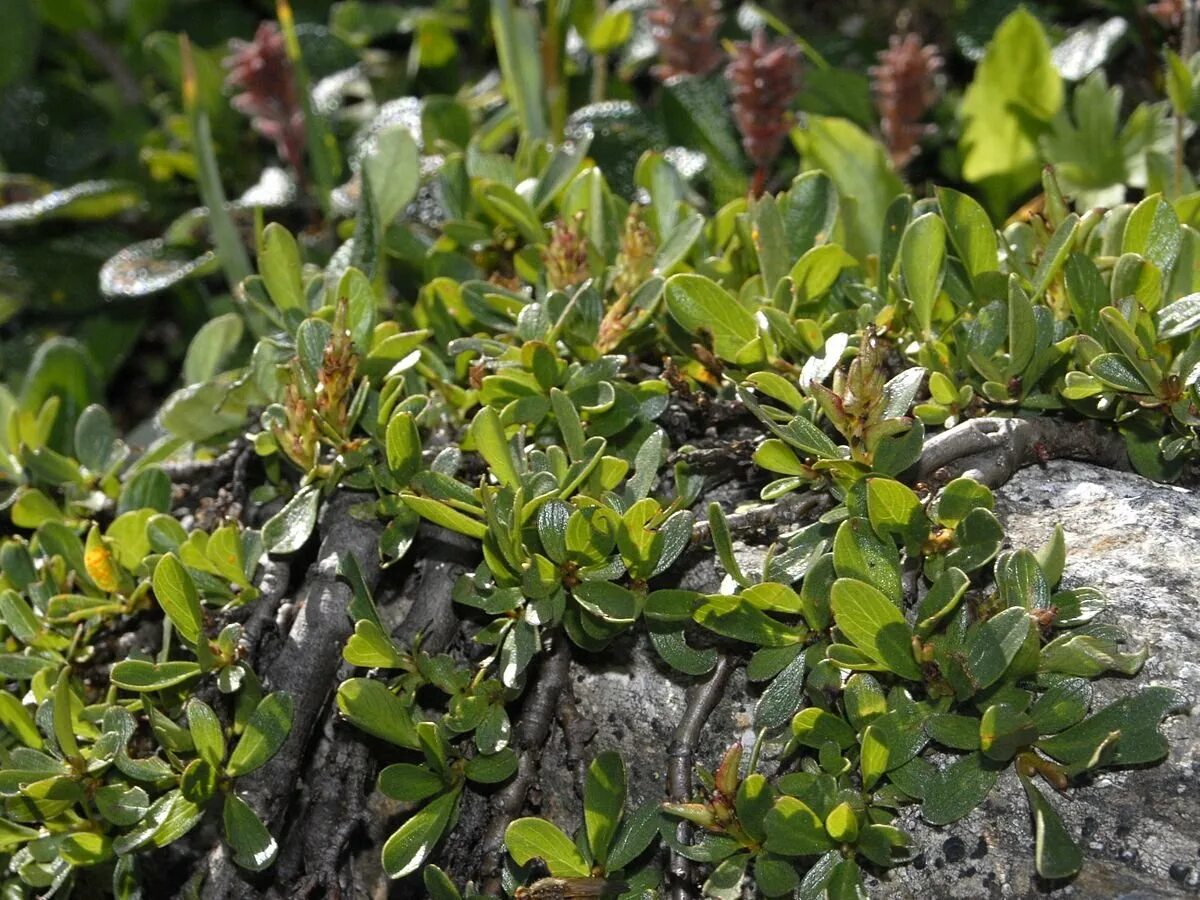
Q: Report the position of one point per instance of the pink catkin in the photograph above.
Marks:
(261, 74)
(765, 78)
(905, 86)
(686, 34)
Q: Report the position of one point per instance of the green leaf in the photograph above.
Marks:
(971, 232)
(289, 529)
(701, 306)
(139, 675)
(265, 733)
(718, 527)
(491, 768)
(1004, 730)
(1057, 855)
(874, 625)
(395, 173)
(206, 732)
(1134, 718)
(211, 347)
(859, 166)
(371, 648)
(955, 731)
(782, 696)
(770, 242)
(121, 805)
(279, 266)
(515, 31)
(670, 644)
(403, 447)
(895, 509)
(793, 829)
(410, 783)
(176, 594)
(376, 710)
(735, 618)
(859, 553)
(603, 803)
(533, 838)
(64, 725)
(813, 727)
(873, 757)
(253, 847)
(1015, 87)
(410, 845)
(993, 645)
(440, 514)
(922, 265)
(1178, 317)
(439, 885)
(638, 830)
(956, 790)
(18, 721)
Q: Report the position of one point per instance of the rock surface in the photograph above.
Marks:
(1140, 829)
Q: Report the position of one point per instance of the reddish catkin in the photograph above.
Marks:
(261, 75)
(765, 78)
(686, 34)
(905, 87)
(1168, 13)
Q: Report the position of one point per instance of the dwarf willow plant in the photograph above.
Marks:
(517, 323)
(102, 759)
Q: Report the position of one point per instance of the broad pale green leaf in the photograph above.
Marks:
(1015, 85)
(410, 783)
(733, 617)
(793, 829)
(289, 529)
(279, 266)
(875, 625)
(394, 166)
(701, 306)
(206, 732)
(859, 553)
(859, 166)
(533, 838)
(446, 516)
(403, 446)
(139, 675)
(376, 710)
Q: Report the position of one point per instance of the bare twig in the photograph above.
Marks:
(306, 668)
(761, 524)
(992, 450)
(114, 64)
(702, 698)
(532, 730)
(191, 470)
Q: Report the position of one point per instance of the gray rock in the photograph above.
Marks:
(1140, 829)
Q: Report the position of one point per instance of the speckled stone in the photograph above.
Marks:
(1140, 829)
